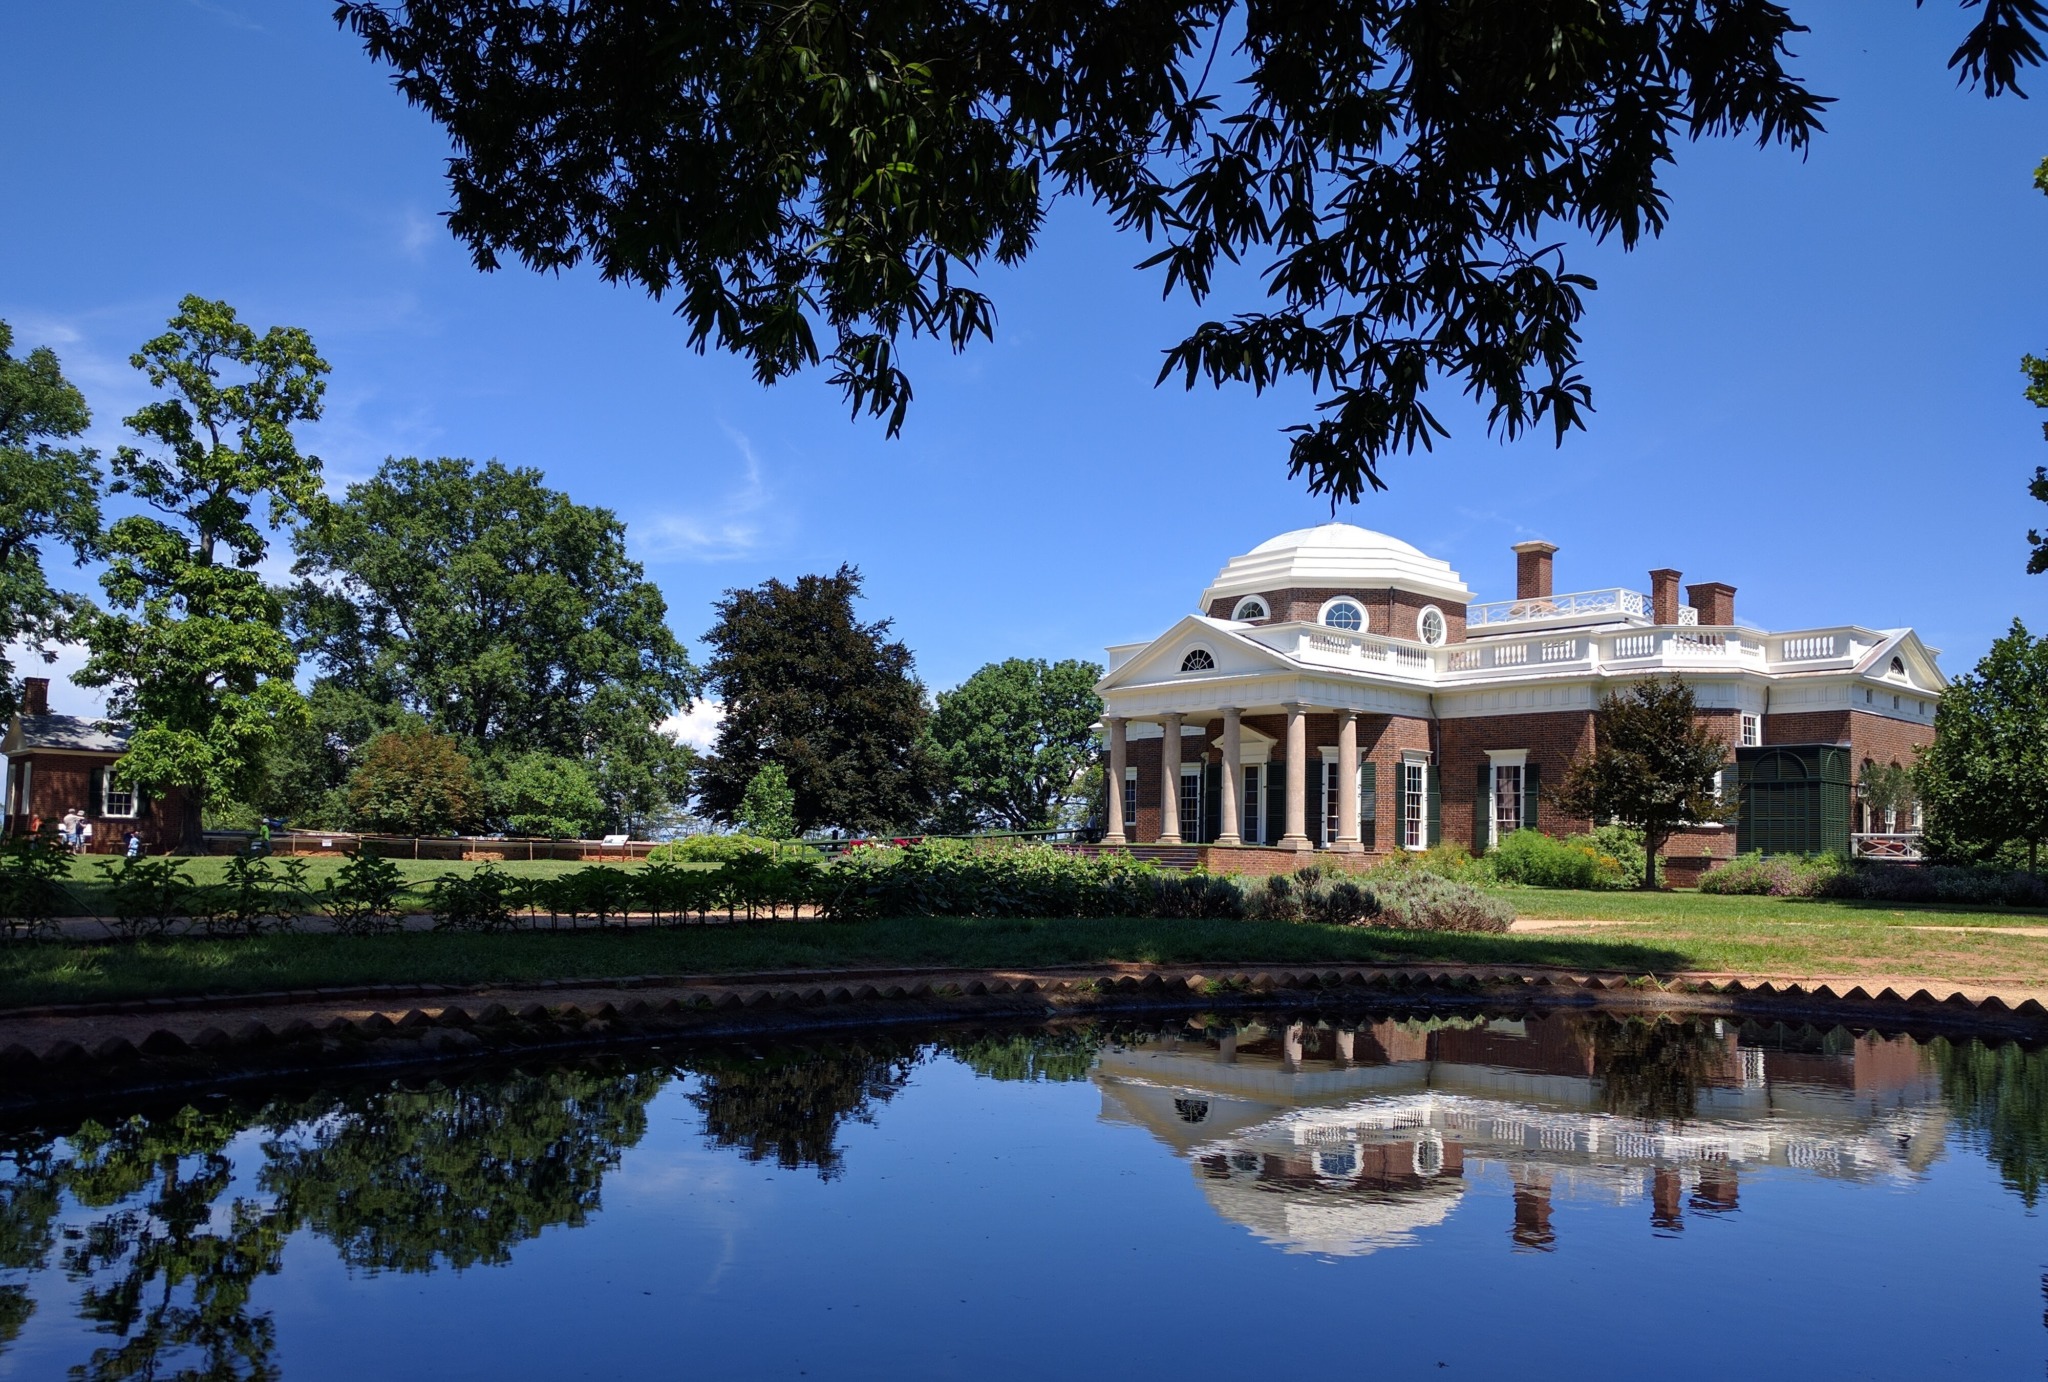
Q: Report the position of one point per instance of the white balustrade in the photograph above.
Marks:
(1699, 645)
(1465, 660)
(1617, 602)
(1511, 655)
(1635, 645)
(1558, 650)
(1808, 648)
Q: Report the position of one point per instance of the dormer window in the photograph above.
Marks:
(1898, 667)
(1249, 608)
(1431, 626)
(1198, 660)
(1344, 614)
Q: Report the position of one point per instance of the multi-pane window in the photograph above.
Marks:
(1191, 803)
(115, 800)
(1198, 660)
(1414, 804)
(1507, 800)
(1330, 788)
(1254, 823)
(1344, 615)
(1752, 731)
(1130, 801)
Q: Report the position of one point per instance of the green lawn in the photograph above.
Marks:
(1694, 907)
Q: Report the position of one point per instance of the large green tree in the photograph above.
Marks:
(1984, 780)
(414, 782)
(193, 650)
(823, 179)
(1013, 740)
(49, 496)
(834, 701)
(1653, 766)
(500, 611)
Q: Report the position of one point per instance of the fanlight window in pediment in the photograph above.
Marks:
(1198, 660)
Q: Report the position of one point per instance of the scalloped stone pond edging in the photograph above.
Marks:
(60, 1053)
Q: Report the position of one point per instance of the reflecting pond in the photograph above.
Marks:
(1386, 1195)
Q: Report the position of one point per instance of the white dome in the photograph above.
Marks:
(1337, 556)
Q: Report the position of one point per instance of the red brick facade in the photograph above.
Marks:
(1390, 613)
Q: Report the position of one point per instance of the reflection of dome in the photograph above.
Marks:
(1339, 556)
(1333, 1223)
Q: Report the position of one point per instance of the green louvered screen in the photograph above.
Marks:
(1369, 804)
(1794, 799)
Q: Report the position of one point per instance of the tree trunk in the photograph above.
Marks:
(1651, 844)
(191, 823)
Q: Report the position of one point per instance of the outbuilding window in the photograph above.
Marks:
(116, 801)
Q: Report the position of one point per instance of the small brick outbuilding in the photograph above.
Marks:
(60, 763)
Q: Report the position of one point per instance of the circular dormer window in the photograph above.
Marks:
(1198, 660)
(1249, 608)
(1348, 615)
(1431, 626)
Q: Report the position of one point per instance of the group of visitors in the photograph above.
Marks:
(75, 829)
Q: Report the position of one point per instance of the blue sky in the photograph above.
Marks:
(1808, 388)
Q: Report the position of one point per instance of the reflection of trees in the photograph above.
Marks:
(1654, 1068)
(1999, 1094)
(1068, 1054)
(166, 1272)
(407, 1179)
(789, 1103)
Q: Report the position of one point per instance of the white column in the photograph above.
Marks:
(1347, 784)
(1169, 782)
(1233, 778)
(1118, 753)
(1297, 779)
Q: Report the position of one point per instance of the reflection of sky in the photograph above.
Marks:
(992, 1230)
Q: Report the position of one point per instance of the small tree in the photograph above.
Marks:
(1886, 788)
(414, 782)
(1653, 766)
(769, 807)
(543, 794)
(1984, 779)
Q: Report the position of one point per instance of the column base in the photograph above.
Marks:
(1168, 840)
(1348, 847)
(1114, 840)
(1296, 842)
(1232, 840)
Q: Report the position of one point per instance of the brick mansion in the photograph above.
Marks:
(1341, 690)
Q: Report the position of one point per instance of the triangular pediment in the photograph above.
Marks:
(1922, 672)
(1161, 661)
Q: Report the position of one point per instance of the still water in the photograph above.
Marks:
(1356, 1196)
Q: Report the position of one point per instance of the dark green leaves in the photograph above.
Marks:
(811, 181)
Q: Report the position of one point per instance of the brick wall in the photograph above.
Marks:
(1552, 738)
(58, 782)
(1389, 612)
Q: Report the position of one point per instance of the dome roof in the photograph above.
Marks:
(1337, 556)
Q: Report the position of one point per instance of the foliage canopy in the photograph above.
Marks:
(1652, 766)
(1984, 779)
(1014, 739)
(818, 180)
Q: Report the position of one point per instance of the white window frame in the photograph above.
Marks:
(1188, 671)
(1751, 730)
(1501, 764)
(1243, 615)
(1364, 614)
(1191, 802)
(107, 794)
(1415, 802)
(1130, 802)
(1443, 626)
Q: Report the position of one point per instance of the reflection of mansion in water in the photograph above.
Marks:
(1344, 1140)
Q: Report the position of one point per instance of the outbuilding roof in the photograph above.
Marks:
(71, 733)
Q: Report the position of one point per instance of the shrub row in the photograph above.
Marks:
(1832, 875)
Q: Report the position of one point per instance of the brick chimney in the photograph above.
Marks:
(1664, 595)
(1532, 570)
(1715, 602)
(35, 695)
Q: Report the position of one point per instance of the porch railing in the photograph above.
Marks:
(1889, 844)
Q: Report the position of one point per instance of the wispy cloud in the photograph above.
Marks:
(231, 17)
(697, 726)
(415, 233)
(737, 526)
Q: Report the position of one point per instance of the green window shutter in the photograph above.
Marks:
(1276, 801)
(1532, 795)
(1433, 797)
(98, 789)
(1369, 805)
(1482, 797)
(1212, 801)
